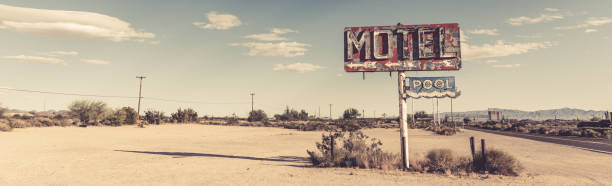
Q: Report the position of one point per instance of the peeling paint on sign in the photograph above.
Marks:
(431, 87)
(433, 47)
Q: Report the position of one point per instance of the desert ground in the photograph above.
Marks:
(192, 154)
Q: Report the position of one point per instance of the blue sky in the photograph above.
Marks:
(526, 55)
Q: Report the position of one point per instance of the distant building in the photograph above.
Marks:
(495, 115)
(609, 116)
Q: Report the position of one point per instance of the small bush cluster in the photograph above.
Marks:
(443, 130)
(550, 128)
(447, 162)
(154, 117)
(356, 150)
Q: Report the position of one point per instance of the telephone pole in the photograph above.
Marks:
(139, 96)
(252, 103)
(330, 116)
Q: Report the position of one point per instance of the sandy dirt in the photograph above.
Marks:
(223, 155)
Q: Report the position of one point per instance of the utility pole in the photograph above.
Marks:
(403, 107)
(139, 97)
(330, 116)
(319, 114)
(252, 102)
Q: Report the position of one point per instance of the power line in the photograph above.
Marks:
(66, 94)
(125, 97)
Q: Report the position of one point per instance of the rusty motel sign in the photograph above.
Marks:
(429, 47)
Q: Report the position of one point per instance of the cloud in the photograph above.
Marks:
(285, 49)
(70, 24)
(274, 35)
(218, 21)
(62, 53)
(507, 66)
(491, 61)
(95, 61)
(551, 9)
(589, 22)
(590, 30)
(462, 36)
(550, 15)
(36, 59)
(538, 35)
(298, 67)
(499, 49)
(491, 32)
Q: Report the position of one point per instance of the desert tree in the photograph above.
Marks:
(89, 111)
(351, 113)
(257, 115)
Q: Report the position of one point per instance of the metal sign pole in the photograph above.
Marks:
(403, 107)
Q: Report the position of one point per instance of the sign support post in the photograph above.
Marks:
(403, 107)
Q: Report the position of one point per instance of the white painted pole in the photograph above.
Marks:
(401, 77)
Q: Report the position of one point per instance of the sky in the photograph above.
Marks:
(210, 55)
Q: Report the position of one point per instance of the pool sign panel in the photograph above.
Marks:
(430, 47)
(431, 87)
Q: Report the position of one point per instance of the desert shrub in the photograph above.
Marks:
(154, 117)
(351, 113)
(292, 115)
(185, 115)
(314, 126)
(607, 134)
(131, 116)
(591, 133)
(257, 115)
(358, 150)
(2, 111)
(19, 123)
(231, 121)
(348, 125)
(89, 111)
(447, 131)
(498, 162)
(441, 160)
(522, 129)
(4, 127)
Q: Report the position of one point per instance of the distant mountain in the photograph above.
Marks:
(563, 113)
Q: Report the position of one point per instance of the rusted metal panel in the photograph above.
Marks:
(432, 47)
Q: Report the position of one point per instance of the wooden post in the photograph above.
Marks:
(332, 147)
(484, 155)
(473, 151)
(472, 147)
(401, 77)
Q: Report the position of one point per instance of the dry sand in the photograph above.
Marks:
(222, 155)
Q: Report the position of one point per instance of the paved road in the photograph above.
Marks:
(592, 144)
